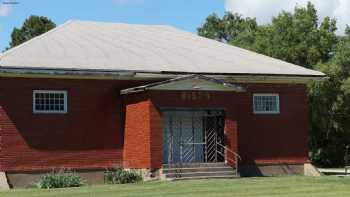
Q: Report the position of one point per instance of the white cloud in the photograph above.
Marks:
(5, 9)
(125, 2)
(264, 10)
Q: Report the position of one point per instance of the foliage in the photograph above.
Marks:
(120, 176)
(325, 98)
(300, 38)
(232, 28)
(297, 38)
(330, 109)
(59, 179)
(32, 27)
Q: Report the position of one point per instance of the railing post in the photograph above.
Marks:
(206, 146)
(181, 152)
(346, 159)
(236, 158)
(216, 148)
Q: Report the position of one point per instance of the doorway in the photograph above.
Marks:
(193, 135)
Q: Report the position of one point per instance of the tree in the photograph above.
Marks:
(330, 108)
(301, 39)
(326, 99)
(232, 28)
(294, 37)
(297, 37)
(32, 27)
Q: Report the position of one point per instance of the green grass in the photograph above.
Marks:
(294, 186)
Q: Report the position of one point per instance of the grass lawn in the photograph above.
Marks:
(270, 186)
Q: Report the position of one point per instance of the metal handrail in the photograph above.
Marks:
(229, 150)
(236, 155)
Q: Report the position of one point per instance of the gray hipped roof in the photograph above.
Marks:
(85, 45)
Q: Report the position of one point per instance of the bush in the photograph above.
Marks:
(60, 179)
(120, 176)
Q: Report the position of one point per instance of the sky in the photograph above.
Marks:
(263, 10)
(183, 14)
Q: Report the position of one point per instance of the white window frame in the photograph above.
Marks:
(65, 107)
(267, 112)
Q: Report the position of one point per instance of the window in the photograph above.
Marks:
(266, 103)
(48, 101)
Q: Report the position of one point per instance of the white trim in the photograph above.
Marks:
(65, 107)
(267, 112)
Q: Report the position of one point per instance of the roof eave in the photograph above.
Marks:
(149, 75)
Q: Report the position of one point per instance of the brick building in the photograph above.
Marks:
(91, 96)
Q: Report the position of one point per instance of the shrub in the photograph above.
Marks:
(60, 179)
(120, 176)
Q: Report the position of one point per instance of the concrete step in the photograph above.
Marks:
(203, 177)
(200, 174)
(195, 165)
(200, 169)
(192, 171)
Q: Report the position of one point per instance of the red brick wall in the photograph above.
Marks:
(276, 138)
(137, 134)
(143, 132)
(89, 136)
(156, 137)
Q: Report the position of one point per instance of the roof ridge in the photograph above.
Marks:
(11, 50)
(121, 23)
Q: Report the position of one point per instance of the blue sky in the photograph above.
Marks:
(184, 14)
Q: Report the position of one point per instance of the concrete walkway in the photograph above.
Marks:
(334, 171)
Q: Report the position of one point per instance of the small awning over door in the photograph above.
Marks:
(188, 83)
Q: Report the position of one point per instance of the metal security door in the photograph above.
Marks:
(214, 135)
(190, 136)
(183, 137)
(192, 140)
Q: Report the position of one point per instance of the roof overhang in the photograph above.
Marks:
(64, 73)
(187, 83)
(100, 74)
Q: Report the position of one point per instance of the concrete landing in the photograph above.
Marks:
(3, 182)
(311, 170)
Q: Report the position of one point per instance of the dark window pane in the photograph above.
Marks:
(49, 101)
